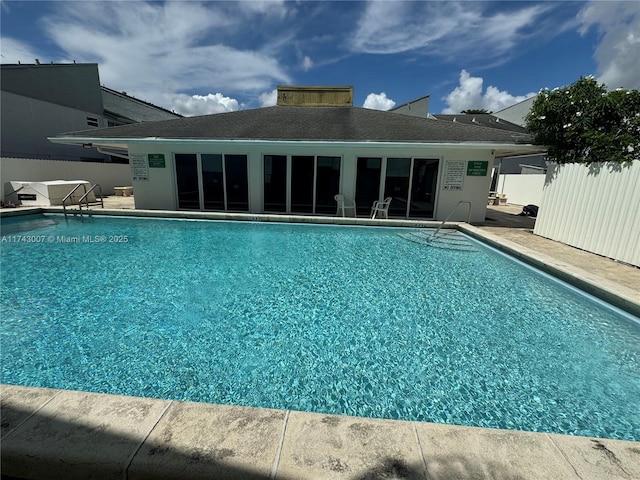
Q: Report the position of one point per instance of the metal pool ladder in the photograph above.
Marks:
(447, 241)
(84, 198)
(451, 213)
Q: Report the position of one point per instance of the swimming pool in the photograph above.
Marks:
(346, 320)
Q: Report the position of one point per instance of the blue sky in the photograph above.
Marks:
(209, 57)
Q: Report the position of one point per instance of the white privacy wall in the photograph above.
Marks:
(522, 189)
(595, 209)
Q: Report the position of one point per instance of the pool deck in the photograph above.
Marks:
(47, 433)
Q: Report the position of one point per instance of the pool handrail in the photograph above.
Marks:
(451, 213)
(64, 200)
(86, 200)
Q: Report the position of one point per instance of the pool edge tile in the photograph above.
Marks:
(303, 445)
(18, 404)
(453, 451)
(80, 435)
(196, 440)
(600, 458)
(338, 447)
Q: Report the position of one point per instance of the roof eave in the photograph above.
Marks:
(497, 147)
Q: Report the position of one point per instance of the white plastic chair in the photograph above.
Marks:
(342, 205)
(381, 208)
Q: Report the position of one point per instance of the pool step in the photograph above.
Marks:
(447, 241)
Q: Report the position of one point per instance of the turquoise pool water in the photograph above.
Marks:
(345, 320)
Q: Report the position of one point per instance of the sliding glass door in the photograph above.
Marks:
(367, 183)
(212, 182)
(302, 183)
(236, 182)
(275, 183)
(187, 181)
(423, 187)
(327, 184)
(396, 185)
(314, 182)
(410, 182)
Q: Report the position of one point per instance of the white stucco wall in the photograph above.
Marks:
(593, 208)
(522, 189)
(108, 175)
(159, 191)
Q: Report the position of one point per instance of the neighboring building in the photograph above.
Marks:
(532, 169)
(516, 113)
(416, 108)
(294, 159)
(484, 120)
(122, 109)
(42, 100)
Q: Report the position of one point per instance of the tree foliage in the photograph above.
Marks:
(475, 111)
(584, 123)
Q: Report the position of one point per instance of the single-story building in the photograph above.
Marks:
(296, 156)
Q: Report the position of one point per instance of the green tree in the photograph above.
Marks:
(584, 123)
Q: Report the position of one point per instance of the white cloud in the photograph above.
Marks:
(192, 105)
(618, 53)
(446, 28)
(157, 50)
(378, 101)
(268, 99)
(307, 63)
(14, 51)
(469, 95)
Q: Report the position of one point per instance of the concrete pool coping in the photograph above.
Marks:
(64, 434)
(48, 433)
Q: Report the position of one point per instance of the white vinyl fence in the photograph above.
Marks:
(594, 208)
(108, 175)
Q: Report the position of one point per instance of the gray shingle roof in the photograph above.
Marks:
(284, 123)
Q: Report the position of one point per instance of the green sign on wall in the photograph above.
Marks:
(477, 168)
(156, 160)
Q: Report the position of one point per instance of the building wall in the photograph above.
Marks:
(76, 86)
(108, 175)
(514, 164)
(594, 208)
(416, 108)
(516, 113)
(27, 122)
(159, 191)
(522, 189)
